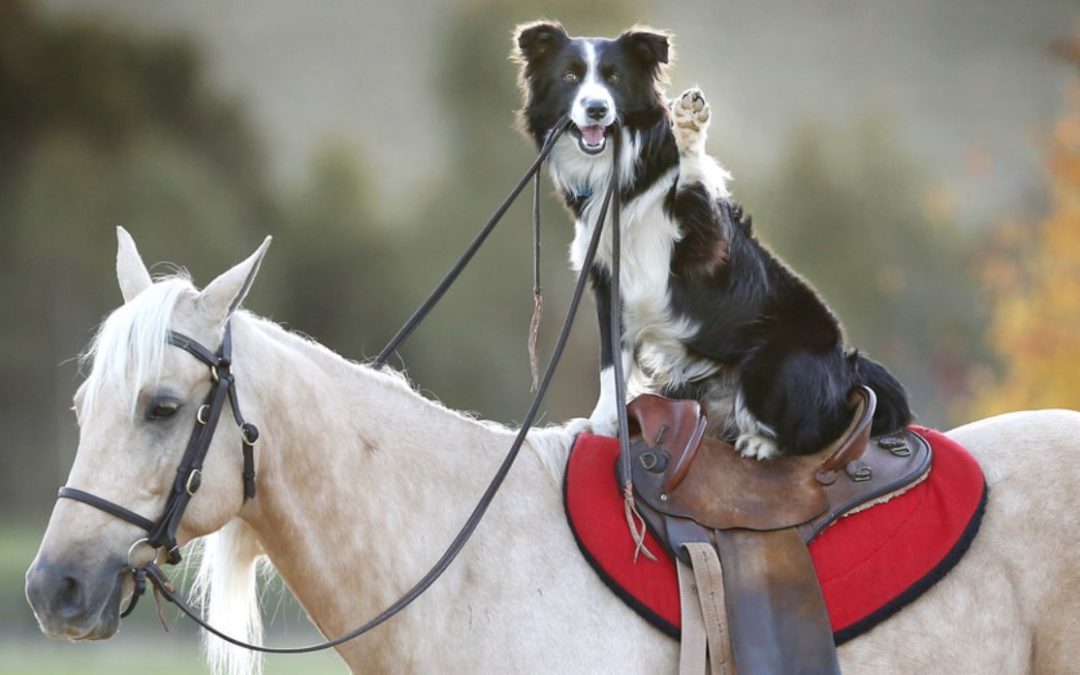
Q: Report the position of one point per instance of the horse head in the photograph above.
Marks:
(136, 412)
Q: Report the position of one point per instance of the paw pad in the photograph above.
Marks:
(690, 113)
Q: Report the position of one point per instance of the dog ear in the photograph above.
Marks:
(653, 47)
(537, 40)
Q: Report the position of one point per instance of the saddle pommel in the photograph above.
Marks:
(672, 426)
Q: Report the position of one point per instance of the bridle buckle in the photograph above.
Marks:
(194, 480)
(249, 433)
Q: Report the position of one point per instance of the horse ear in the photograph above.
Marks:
(223, 295)
(536, 40)
(131, 272)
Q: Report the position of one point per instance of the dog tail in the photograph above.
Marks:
(893, 411)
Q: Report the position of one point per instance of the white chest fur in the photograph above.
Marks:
(654, 335)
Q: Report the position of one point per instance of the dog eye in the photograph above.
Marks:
(162, 408)
(612, 77)
(570, 76)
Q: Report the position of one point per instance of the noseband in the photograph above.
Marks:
(161, 534)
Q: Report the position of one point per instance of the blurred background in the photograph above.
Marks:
(919, 162)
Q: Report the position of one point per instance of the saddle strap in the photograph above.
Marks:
(693, 642)
(780, 622)
(702, 591)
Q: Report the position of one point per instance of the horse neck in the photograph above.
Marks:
(360, 478)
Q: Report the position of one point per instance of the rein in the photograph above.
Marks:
(161, 534)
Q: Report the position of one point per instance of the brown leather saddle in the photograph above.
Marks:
(758, 517)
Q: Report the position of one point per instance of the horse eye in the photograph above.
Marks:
(570, 76)
(160, 409)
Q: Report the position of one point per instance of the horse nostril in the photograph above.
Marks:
(70, 599)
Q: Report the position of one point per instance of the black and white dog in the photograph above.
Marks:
(708, 312)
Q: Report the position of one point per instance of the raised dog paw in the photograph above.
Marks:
(756, 446)
(691, 113)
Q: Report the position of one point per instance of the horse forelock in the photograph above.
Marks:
(128, 349)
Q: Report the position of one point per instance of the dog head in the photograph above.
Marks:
(594, 81)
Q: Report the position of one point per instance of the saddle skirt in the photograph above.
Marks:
(869, 563)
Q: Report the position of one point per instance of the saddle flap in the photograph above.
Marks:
(674, 427)
(776, 612)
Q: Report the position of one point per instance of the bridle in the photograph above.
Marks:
(162, 533)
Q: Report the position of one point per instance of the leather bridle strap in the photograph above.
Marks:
(634, 521)
(221, 369)
(107, 506)
(161, 534)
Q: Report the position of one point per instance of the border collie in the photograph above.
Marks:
(708, 312)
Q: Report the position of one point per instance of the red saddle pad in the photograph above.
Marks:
(870, 564)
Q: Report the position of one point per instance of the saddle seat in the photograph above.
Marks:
(748, 522)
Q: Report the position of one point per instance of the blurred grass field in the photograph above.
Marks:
(141, 647)
(157, 656)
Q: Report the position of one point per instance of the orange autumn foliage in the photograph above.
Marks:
(1035, 284)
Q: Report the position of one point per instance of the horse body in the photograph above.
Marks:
(362, 482)
(522, 599)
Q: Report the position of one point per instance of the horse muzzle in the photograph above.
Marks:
(73, 603)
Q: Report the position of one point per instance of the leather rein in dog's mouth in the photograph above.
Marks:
(162, 534)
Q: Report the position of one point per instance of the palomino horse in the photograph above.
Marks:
(361, 481)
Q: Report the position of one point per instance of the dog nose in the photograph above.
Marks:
(596, 109)
(53, 590)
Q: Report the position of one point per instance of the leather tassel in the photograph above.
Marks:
(538, 292)
(635, 523)
(534, 336)
(160, 609)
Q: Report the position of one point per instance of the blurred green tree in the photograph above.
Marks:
(100, 129)
(335, 274)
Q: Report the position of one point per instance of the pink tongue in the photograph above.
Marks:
(593, 135)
